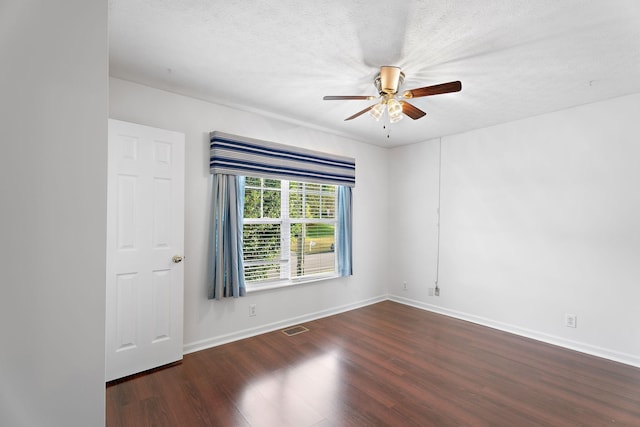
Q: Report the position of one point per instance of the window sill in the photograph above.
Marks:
(288, 283)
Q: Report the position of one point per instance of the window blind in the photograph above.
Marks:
(237, 155)
(262, 257)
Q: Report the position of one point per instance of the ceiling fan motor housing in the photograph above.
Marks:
(389, 80)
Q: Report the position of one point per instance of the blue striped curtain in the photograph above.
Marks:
(226, 269)
(344, 231)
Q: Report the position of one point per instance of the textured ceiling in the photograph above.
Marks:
(515, 58)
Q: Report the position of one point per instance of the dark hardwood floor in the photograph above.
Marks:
(382, 365)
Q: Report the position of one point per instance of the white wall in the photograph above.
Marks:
(540, 218)
(212, 322)
(53, 113)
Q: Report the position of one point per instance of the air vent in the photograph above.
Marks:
(294, 330)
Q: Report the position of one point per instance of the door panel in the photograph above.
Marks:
(145, 229)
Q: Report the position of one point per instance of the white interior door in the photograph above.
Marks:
(145, 231)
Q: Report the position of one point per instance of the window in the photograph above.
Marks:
(289, 230)
(292, 229)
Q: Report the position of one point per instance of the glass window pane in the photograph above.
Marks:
(295, 204)
(261, 241)
(312, 208)
(328, 206)
(252, 203)
(252, 181)
(271, 206)
(312, 249)
(272, 183)
(256, 273)
(312, 188)
(261, 245)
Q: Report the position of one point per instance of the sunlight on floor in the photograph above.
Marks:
(297, 395)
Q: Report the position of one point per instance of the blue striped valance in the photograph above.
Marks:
(237, 155)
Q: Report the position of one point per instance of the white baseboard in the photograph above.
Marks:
(605, 353)
(615, 356)
(247, 333)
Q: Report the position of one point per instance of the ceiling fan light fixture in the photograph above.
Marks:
(395, 110)
(395, 119)
(390, 79)
(377, 111)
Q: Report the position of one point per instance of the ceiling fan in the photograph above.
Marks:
(388, 81)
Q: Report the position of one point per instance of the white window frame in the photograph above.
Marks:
(285, 222)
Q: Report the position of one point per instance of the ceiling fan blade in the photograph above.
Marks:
(341, 98)
(433, 90)
(412, 111)
(359, 113)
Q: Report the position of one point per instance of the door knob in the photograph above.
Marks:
(177, 259)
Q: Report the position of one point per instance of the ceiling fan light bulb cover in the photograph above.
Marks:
(395, 119)
(395, 110)
(377, 111)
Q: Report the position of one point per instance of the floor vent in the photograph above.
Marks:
(294, 330)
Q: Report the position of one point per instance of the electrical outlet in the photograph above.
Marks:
(436, 292)
(570, 320)
(252, 310)
(431, 291)
(404, 286)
